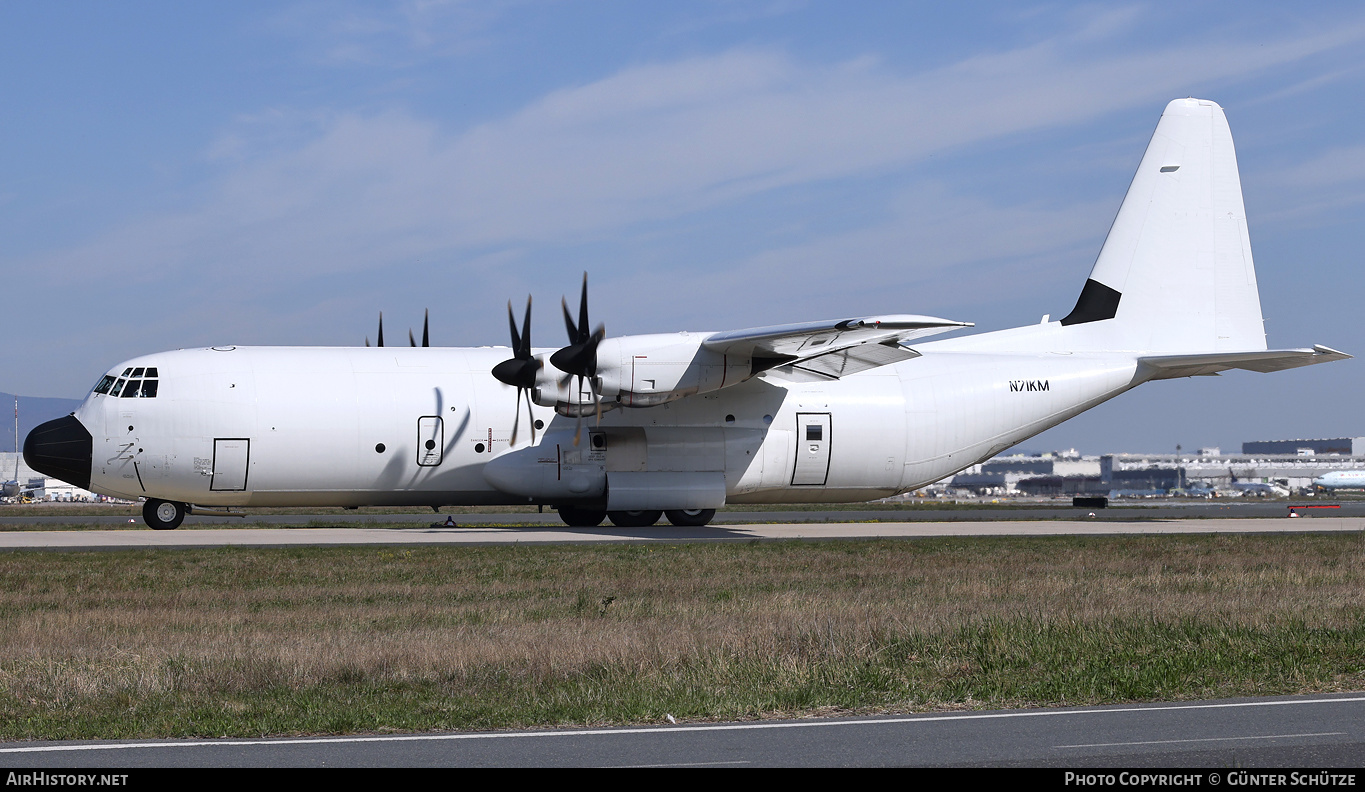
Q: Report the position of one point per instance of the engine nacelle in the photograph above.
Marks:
(642, 371)
(645, 370)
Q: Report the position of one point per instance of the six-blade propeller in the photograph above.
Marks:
(520, 371)
(579, 358)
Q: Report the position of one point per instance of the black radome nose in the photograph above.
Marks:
(60, 449)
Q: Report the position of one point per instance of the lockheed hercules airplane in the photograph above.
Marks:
(682, 423)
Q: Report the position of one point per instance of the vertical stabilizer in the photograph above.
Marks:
(1175, 273)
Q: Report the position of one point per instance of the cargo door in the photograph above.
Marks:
(230, 458)
(812, 449)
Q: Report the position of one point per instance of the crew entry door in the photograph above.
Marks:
(812, 449)
(231, 455)
(431, 440)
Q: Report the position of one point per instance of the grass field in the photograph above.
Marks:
(333, 640)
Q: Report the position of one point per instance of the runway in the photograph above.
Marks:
(384, 533)
(1283, 732)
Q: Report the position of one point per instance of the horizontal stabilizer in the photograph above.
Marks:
(1171, 366)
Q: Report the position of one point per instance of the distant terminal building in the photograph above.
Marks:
(1342, 446)
(1069, 474)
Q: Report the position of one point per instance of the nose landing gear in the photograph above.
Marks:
(161, 515)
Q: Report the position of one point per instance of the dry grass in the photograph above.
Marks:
(242, 641)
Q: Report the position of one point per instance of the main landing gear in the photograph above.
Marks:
(690, 517)
(634, 519)
(587, 518)
(163, 515)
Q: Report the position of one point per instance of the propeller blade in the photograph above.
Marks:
(524, 350)
(412, 342)
(381, 329)
(578, 420)
(512, 325)
(583, 311)
(532, 416)
(367, 340)
(517, 420)
(426, 319)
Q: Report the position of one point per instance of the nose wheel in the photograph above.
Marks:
(161, 515)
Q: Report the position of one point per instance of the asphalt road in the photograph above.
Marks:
(1290, 732)
(384, 533)
(15, 517)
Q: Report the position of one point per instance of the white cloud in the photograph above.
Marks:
(388, 35)
(649, 143)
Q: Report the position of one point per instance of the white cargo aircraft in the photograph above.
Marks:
(830, 411)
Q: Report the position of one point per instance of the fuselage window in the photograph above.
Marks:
(118, 386)
(131, 389)
(127, 371)
(149, 388)
(103, 387)
(814, 432)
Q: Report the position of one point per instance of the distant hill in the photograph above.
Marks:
(33, 410)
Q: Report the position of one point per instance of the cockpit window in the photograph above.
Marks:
(138, 383)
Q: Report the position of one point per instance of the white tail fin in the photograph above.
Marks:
(1175, 274)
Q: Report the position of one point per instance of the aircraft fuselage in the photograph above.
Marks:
(333, 426)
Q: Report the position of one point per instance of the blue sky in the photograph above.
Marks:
(191, 173)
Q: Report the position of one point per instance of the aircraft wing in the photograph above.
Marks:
(1171, 366)
(832, 348)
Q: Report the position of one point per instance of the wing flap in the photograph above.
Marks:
(832, 348)
(1265, 361)
(851, 360)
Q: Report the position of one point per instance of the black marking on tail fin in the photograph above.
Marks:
(1096, 303)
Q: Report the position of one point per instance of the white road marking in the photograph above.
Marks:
(1202, 739)
(664, 729)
